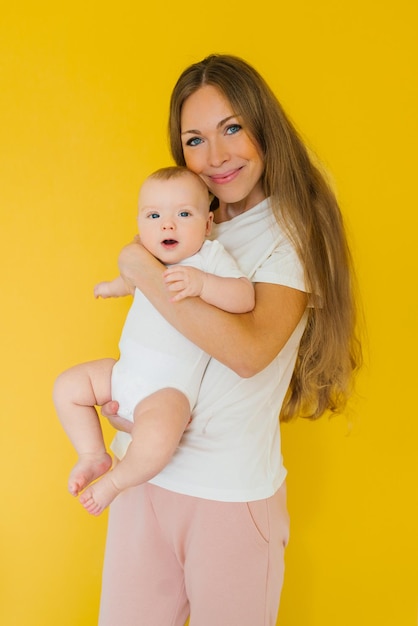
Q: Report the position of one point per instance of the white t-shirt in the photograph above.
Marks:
(231, 449)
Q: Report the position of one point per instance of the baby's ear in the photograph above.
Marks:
(209, 223)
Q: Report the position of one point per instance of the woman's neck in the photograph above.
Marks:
(226, 212)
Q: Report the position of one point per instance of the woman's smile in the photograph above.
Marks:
(227, 177)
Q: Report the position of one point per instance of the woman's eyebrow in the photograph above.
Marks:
(218, 125)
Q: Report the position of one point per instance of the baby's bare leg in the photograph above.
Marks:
(159, 423)
(76, 392)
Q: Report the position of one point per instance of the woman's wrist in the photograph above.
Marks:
(137, 265)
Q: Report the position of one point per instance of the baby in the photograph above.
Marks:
(157, 377)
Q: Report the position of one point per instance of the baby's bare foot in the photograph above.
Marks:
(98, 496)
(88, 468)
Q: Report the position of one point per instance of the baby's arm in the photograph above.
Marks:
(113, 289)
(235, 295)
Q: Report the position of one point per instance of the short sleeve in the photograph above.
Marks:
(282, 266)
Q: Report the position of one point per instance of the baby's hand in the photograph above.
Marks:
(185, 281)
(116, 288)
(102, 290)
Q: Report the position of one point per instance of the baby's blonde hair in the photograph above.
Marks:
(177, 171)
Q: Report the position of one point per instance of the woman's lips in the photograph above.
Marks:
(227, 177)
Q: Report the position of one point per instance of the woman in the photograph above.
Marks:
(207, 535)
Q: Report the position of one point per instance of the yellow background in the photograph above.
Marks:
(84, 91)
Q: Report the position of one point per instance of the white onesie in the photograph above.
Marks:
(154, 355)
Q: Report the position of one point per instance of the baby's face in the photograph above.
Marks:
(173, 218)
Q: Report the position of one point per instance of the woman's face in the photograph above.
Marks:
(217, 146)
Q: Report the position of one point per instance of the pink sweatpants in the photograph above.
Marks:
(170, 555)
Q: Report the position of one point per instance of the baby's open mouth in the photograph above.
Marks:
(169, 242)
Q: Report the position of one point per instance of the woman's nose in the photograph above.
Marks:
(217, 153)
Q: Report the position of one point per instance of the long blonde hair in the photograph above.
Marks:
(304, 204)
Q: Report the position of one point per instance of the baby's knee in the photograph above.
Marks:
(72, 383)
(62, 383)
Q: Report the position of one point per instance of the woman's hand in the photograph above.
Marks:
(110, 412)
(135, 261)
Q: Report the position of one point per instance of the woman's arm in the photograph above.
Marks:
(245, 342)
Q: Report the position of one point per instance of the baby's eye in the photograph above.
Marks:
(184, 213)
(154, 216)
(232, 129)
(193, 141)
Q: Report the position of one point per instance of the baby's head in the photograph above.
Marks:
(174, 214)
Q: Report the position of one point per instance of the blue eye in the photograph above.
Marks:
(194, 141)
(184, 214)
(232, 129)
(153, 216)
